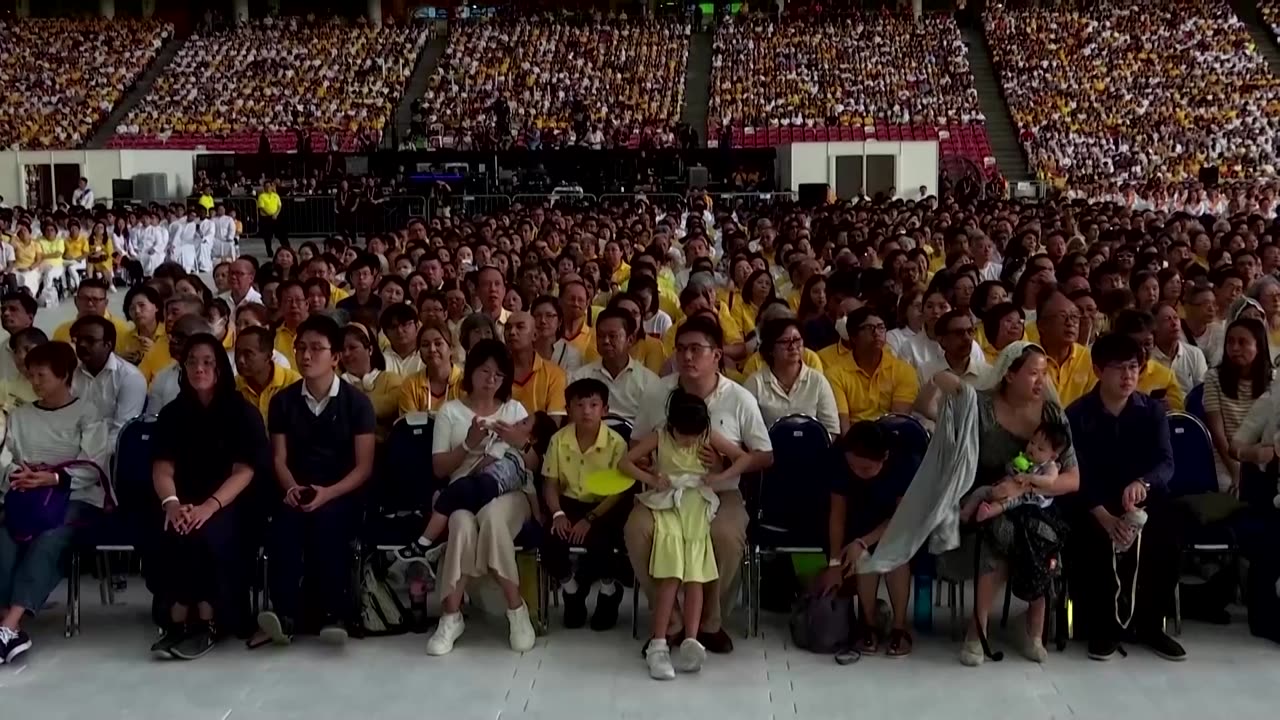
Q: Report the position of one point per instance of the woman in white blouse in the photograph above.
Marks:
(786, 386)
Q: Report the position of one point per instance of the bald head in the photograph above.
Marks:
(240, 277)
(519, 331)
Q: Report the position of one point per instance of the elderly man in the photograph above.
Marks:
(538, 384)
(628, 380)
(491, 289)
(1058, 320)
(240, 289)
(736, 415)
(115, 388)
(91, 299)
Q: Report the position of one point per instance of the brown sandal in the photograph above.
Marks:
(869, 641)
(900, 644)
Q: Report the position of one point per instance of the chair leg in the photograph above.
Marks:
(100, 561)
(635, 610)
(1177, 610)
(72, 579)
(1008, 599)
(745, 581)
(755, 591)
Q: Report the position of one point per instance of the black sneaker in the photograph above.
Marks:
(199, 641)
(605, 616)
(575, 609)
(174, 634)
(416, 552)
(1102, 649)
(13, 644)
(1163, 645)
(717, 642)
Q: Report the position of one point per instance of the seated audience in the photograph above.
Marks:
(627, 380)
(787, 386)
(114, 388)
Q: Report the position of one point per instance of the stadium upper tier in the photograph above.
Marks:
(1137, 91)
(620, 78)
(60, 79)
(223, 89)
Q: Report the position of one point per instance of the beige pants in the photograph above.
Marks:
(484, 542)
(728, 542)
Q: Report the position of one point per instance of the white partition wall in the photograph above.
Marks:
(854, 167)
(101, 167)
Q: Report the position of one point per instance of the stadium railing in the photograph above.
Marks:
(317, 215)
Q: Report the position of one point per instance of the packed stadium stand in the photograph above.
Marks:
(1136, 91)
(620, 78)
(62, 77)
(340, 82)
(870, 77)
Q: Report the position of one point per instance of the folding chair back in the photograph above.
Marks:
(620, 425)
(795, 491)
(1194, 471)
(1195, 403)
(406, 480)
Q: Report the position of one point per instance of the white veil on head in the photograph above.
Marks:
(990, 379)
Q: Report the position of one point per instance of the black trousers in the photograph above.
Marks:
(470, 493)
(207, 565)
(603, 539)
(314, 548)
(1093, 583)
(272, 227)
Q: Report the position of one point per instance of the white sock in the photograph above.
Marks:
(570, 586)
(608, 587)
(658, 644)
(424, 541)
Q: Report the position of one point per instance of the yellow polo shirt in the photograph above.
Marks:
(285, 338)
(568, 466)
(542, 390)
(76, 247)
(269, 203)
(863, 396)
(650, 353)
(123, 331)
(756, 362)
(281, 378)
(1073, 378)
(52, 251)
(622, 274)
(24, 256)
(416, 395)
(128, 347)
(1156, 377)
(793, 299)
(584, 341)
(336, 295)
(835, 358)
(157, 359)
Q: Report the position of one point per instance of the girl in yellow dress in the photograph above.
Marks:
(683, 505)
(100, 251)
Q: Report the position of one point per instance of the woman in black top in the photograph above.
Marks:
(206, 445)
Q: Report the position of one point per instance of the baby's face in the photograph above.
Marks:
(1039, 450)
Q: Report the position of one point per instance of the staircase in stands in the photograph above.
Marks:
(107, 129)
(697, 83)
(417, 85)
(1247, 11)
(1002, 133)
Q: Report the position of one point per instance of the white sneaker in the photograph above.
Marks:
(971, 654)
(521, 635)
(691, 656)
(446, 634)
(659, 659)
(1034, 650)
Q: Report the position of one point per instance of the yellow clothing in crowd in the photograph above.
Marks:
(416, 395)
(157, 359)
(542, 390)
(269, 203)
(281, 378)
(1159, 381)
(75, 248)
(123, 330)
(649, 352)
(866, 396)
(285, 338)
(568, 465)
(1073, 378)
(52, 250)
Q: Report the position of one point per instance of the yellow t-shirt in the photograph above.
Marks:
(24, 256)
(281, 378)
(650, 353)
(76, 248)
(336, 295)
(863, 396)
(568, 466)
(542, 390)
(269, 203)
(584, 341)
(123, 331)
(416, 395)
(157, 359)
(285, 338)
(1073, 378)
(1155, 378)
(52, 250)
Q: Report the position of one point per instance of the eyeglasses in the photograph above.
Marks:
(1067, 318)
(694, 349)
(967, 330)
(314, 349)
(789, 343)
(875, 328)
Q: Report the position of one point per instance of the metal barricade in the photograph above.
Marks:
(555, 199)
(318, 216)
(655, 200)
(466, 206)
(749, 201)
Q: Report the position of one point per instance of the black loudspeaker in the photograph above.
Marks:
(698, 177)
(122, 189)
(1209, 175)
(813, 194)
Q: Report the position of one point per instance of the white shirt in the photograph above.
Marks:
(118, 393)
(566, 356)
(627, 391)
(164, 388)
(978, 365)
(207, 230)
(453, 422)
(224, 228)
(403, 366)
(276, 356)
(810, 395)
(1211, 342)
(1188, 364)
(658, 325)
(990, 272)
(317, 405)
(734, 414)
(897, 339)
(919, 351)
(8, 366)
(83, 198)
(253, 296)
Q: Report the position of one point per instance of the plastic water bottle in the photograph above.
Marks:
(923, 604)
(1136, 520)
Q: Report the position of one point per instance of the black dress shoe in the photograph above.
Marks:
(717, 642)
(1162, 645)
(1102, 649)
(575, 609)
(605, 616)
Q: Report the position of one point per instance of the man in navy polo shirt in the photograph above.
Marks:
(322, 449)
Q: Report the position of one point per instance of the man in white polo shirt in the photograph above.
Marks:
(736, 416)
(629, 381)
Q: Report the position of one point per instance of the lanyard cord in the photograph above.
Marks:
(1133, 595)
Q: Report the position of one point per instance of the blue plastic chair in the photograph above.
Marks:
(404, 484)
(1195, 403)
(791, 517)
(620, 425)
(910, 438)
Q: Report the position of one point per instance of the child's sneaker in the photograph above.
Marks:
(691, 656)
(416, 552)
(658, 658)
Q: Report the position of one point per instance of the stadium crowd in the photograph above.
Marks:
(850, 71)
(62, 77)
(550, 81)
(1137, 91)
(1078, 325)
(337, 80)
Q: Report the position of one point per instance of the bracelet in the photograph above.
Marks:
(171, 498)
(834, 562)
(557, 514)
(215, 499)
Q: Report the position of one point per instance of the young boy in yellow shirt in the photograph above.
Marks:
(578, 517)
